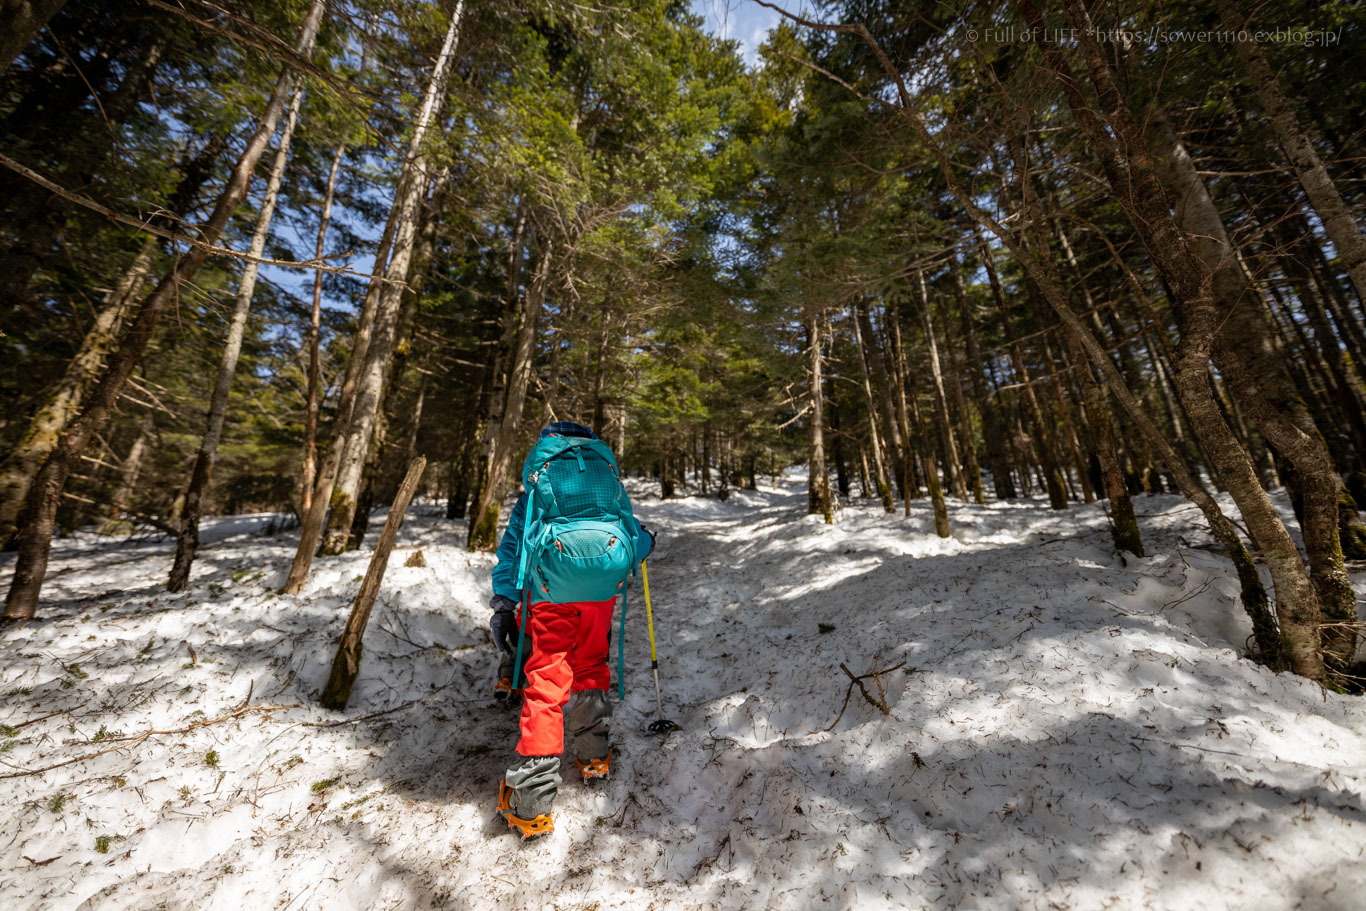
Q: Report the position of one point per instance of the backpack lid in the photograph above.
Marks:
(549, 447)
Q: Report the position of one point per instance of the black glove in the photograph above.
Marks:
(503, 623)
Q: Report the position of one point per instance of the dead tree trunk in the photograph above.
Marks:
(187, 542)
(40, 510)
(346, 664)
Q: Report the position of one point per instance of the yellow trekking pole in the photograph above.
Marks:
(661, 725)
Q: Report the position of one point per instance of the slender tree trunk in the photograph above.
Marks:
(993, 431)
(818, 501)
(884, 488)
(131, 469)
(1124, 521)
(1333, 211)
(311, 527)
(370, 388)
(1069, 429)
(910, 486)
(40, 510)
(484, 529)
(965, 435)
(896, 444)
(1057, 492)
(187, 543)
(314, 400)
(941, 405)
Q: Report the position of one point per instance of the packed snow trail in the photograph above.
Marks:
(1069, 729)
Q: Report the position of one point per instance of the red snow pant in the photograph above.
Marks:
(568, 655)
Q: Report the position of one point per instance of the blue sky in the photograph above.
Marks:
(743, 20)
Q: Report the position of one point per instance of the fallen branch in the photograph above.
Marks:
(880, 704)
(358, 719)
(122, 742)
(24, 724)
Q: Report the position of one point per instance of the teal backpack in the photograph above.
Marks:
(579, 540)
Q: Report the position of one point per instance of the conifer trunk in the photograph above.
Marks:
(313, 404)
(484, 529)
(993, 432)
(187, 543)
(1120, 148)
(370, 383)
(941, 406)
(884, 489)
(818, 501)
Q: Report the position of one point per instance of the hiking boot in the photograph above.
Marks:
(527, 828)
(596, 768)
(503, 692)
(526, 793)
(589, 721)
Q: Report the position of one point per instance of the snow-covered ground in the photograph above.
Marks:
(1067, 729)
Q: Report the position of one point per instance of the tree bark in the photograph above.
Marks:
(346, 663)
(370, 389)
(131, 469)
(484, 529)
(40, 510)
(884, 488)
(941, 405)
(993, 432)
(818, 501)
(1053, 481)
(187, 542)
(1120, 147)
(313, 404)
(873, 357)
(1123, 520)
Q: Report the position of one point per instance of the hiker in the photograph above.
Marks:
(570, 546)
